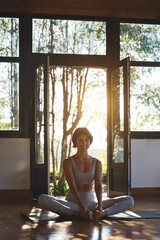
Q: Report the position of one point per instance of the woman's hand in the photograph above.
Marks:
(86, 213)
(98, 213)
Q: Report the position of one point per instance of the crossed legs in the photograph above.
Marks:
(63, 207)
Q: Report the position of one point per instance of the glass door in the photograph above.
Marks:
(42, 151)
(118, 130)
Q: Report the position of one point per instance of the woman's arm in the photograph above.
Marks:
(99, 212)
(67, 167)
(98, 184)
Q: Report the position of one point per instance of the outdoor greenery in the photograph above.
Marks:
(139, 42)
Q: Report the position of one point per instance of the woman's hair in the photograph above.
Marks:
(80, 131)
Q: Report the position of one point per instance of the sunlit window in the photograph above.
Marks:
(69, 37)
(140, 42)
(9, 37)
(9, 74)
(145, 100)
(9, 96)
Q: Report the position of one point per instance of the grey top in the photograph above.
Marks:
(83, 177)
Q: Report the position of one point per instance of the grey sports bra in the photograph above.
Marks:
(83, 177)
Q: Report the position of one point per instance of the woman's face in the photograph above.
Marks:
(83, 142)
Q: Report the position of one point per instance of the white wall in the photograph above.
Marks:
(145, 163)
(14, 163)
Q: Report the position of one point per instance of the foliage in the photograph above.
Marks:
(140, 42)
(5, 126)
(104, 177)
(101, 154)
(57, 189)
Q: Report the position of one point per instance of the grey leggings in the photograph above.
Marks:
(67, 206)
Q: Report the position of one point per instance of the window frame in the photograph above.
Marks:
(19, 60)
(143, 134)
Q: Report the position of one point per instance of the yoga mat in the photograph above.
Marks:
(124, 215)
(136, 215)
(42, 216)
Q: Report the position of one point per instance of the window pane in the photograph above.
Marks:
(140, 42)
(121, 98)
(67, 36)
(9, 96)
(9, 37)
(145, 100)
(40, 116)
(117, 102)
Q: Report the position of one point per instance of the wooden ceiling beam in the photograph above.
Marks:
(149, 9)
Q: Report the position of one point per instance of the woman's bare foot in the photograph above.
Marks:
(98, 214)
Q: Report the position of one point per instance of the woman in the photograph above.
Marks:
(80, 171)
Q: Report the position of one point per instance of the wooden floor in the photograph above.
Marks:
(14, 226)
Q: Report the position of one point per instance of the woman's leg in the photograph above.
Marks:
(60, 207)
(117, 205)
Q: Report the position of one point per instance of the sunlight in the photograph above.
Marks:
(29, 226)
(62, 225)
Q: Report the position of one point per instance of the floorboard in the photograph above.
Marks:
(14, 226)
